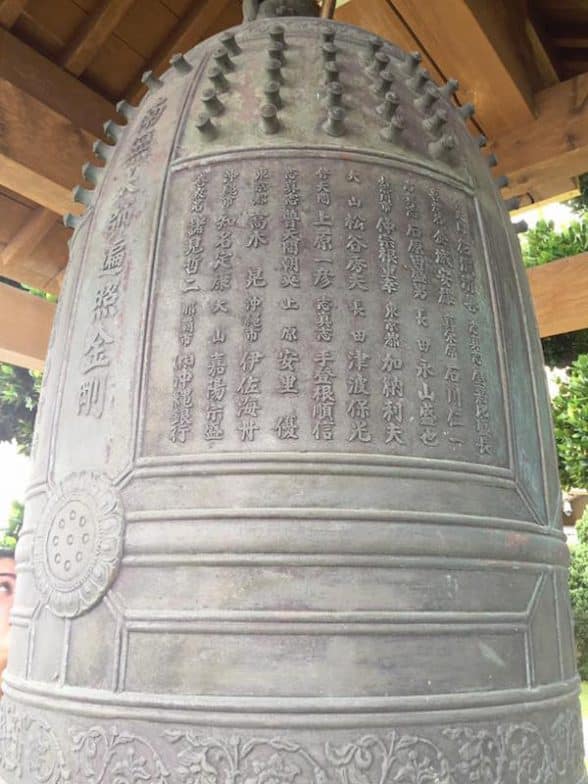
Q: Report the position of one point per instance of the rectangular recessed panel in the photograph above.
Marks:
(336, 665)
(324, 304)
(346, 589)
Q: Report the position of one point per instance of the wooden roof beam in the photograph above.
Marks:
(25, 326)
(555, 189)
(552, 146)
(560, 295)
(33, 74)
(10, 10)
(28, 237)
(92, 34)
(191, 29)
(484, 46)
(49, 120)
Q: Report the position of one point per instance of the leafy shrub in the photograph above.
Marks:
(578, 582)
(9, 537)
(19, 398)
(544, 244)
(570, 417)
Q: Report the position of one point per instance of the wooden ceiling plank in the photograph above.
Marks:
(41, 152)
(25, 327)
(41, 267)
(542, 54)
(49, 120)
(190, 30)
(28, 237)
(556, 189)
(10, 10)
(560, 295)
(554, 145)
(379, 17)
(480, 50)
(35, 75)
(92, 34)
(36, 187)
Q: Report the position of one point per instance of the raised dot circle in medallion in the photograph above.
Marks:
(70, 546)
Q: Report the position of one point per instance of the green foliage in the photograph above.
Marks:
(19, 398)
(570, 417)
(580, 203)
(10, 535)
(578, 582)
(544, 244)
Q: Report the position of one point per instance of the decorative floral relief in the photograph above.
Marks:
(113, 757)
(77, 544)
(29, 748)
(406, 759)
(510, 753)
(204, 759)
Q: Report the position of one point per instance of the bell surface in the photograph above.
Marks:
(295, 512)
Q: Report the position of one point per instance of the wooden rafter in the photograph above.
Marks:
(554, 144)
(10, 10)
(36, 76)
(41, 153)
(87, 41)
(188, 31)
(547, 192)
(49, 121)
(453, 35)
(560, 295)
(28, 237)
(92, 34)
(542, 54)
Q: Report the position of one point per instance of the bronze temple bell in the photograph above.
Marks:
(295, 509)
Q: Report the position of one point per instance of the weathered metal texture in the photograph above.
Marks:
(295, 510)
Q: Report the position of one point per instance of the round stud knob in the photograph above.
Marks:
(277, 33)
(386, 110)
(205, 126)
(442, 147)
(180, 64)
(229, 41)
(335, 94)
(211, 102)
(218, 79)
(329, 51)
(449, 88)
(411, 62)
(380, 61)
(274, 70)
(222, 59)
(328, 34)
(272, 94)
(335, 124)
(436, 121)
(331, 72)
(393, 131)
(269, 119)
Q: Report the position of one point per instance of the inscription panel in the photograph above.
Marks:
(356, 324)
(97, 394)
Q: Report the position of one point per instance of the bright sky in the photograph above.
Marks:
(14, 470)
(558, 213)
